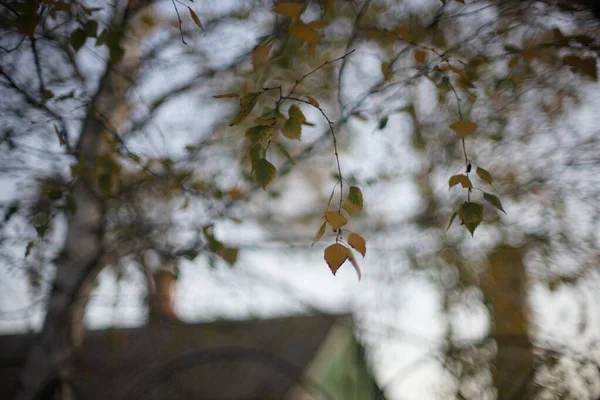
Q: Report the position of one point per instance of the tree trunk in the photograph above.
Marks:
(506, 291)
(81, 257)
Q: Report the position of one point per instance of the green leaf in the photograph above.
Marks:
(292, 128)
(355, 197)
(258, 134)
(319, 233)
(264, 172)
(493, 200)
(484, 175)
(470, 213)
(28, 248)
(78, 38)
(256, 153)
(229, 254)
(471, 226)
(451, 220)
(91, 28)
(247, 103)
(382, 123)
(195, 18)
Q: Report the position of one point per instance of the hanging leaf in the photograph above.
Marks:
(355, 197)
(304, 33)
(256, 153)
(493, 200)
(259, 133)
(78, 38)
(354, 263)
(420, 56)
(451, 220)
(470, 213)
(319, 233)
(463, 128)
(335, 256)
(312, 101)
(358, 243)
(247, 103)
(335, 219)
(260, 55)
(462, 179)
(91, 28)
(289, 9)
(292, 128)
(195, 18)
(471, 226)
(264, 172)
(28, 249)
(350, 208)
(484, 175)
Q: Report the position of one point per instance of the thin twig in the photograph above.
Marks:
(180, 22)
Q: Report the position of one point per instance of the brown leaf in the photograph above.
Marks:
(289, 9)
(195, 18)
(260, 55)
(312, 101)
(462, 179)
(320, 233)
(304, 33)
(463, 128)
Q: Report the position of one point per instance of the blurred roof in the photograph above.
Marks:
(255, 359)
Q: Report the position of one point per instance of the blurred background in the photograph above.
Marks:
(125, 181)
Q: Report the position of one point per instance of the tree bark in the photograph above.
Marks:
(82, 255)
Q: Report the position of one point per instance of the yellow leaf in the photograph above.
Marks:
(289, 9)
(304, 33)
(385, 70)
(358, 243)
(195, 18)
(335, 256)
(335, 219)
(260, 55)
(463, 128)
(350, 208)
(420, 56)
(462, 179)
(320, 232)
(247, 103)
(312, 101)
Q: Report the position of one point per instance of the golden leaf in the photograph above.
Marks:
(260, 55)
(195, 18)
(312, 101)
(317, 24)
(320, 233)
(462, 179)
(223, 96)
(335, 256)
(304, 33)
(484, 175)
(289, 9)
(463, 128)
(335, 219)
(420, 56)
(358, 243)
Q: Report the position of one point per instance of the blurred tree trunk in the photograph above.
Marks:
(82, 256)
(506, 292)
